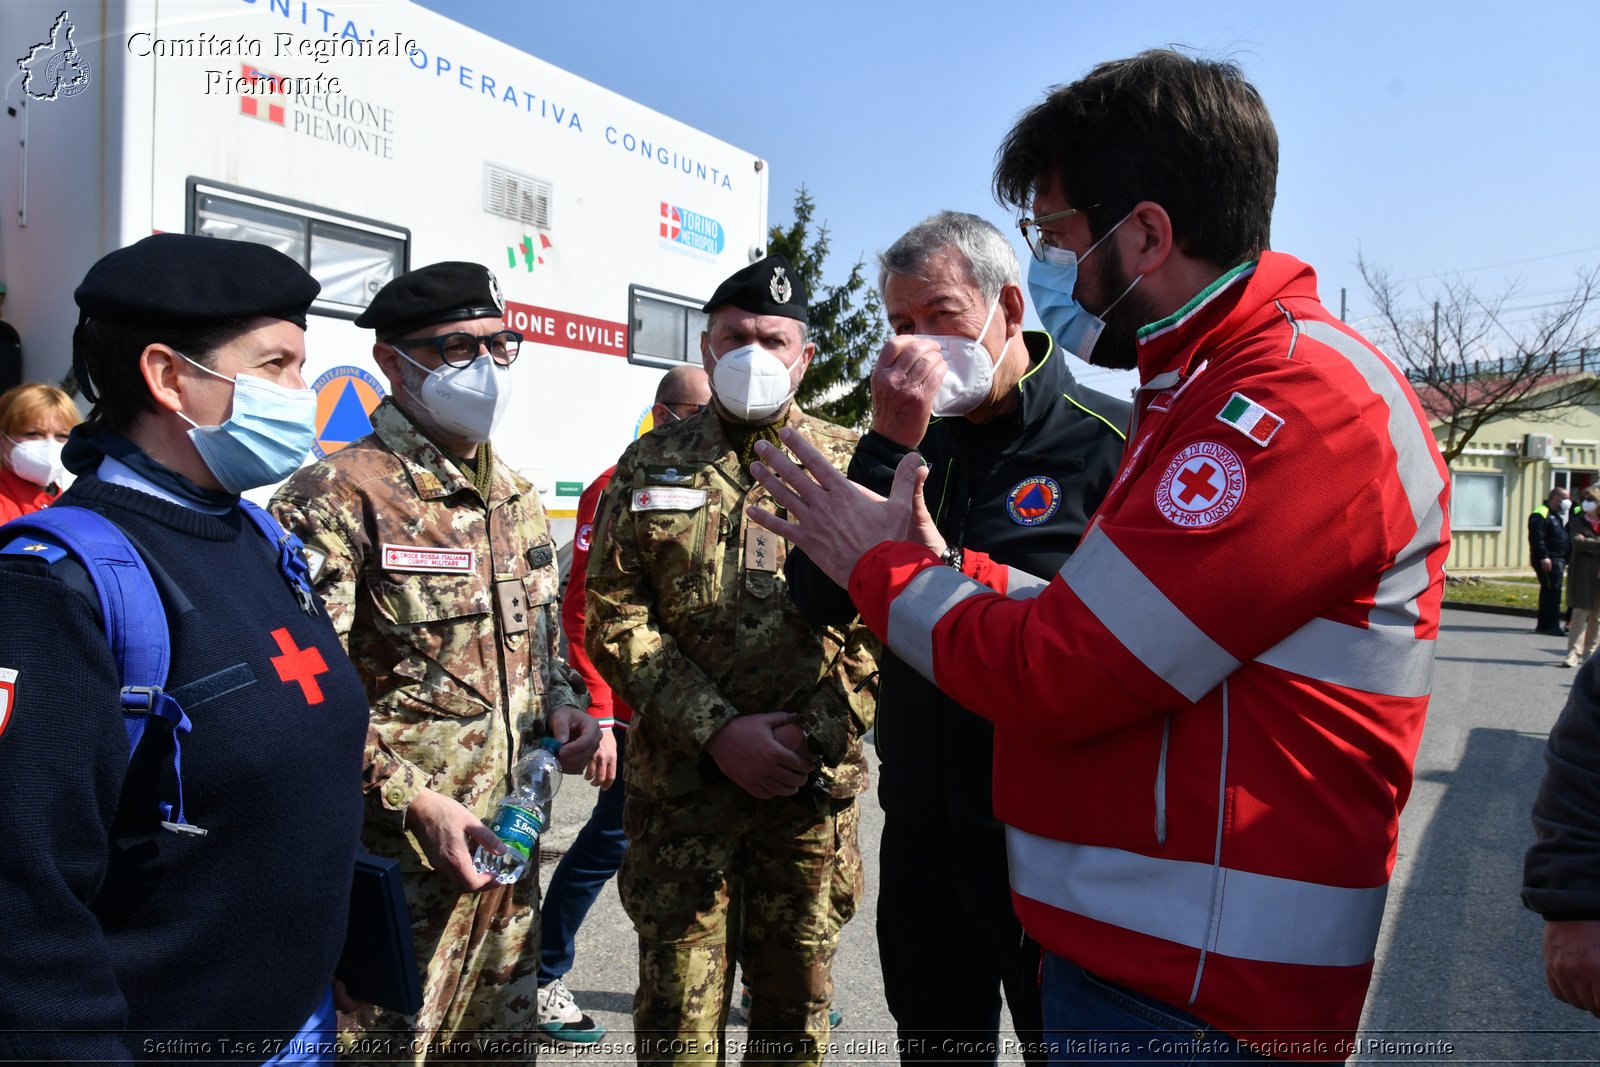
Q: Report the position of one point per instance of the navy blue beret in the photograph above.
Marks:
(173, 278)
(768, 286)
(440, 292)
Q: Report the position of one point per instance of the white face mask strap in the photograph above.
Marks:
(402, 354)
(1136, 280)
(990, 317)
(1105, 237)
(208, 370)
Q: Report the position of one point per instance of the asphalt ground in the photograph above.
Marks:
(1459, 976)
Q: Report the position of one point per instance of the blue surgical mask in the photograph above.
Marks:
(265, 439)
(1052, 282)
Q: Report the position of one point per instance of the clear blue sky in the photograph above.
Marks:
(1454, 138)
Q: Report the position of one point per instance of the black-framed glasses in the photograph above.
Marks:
(1031, 228)
(460, 349)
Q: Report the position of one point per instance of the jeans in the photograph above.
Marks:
(581, 874)
(1090, 1020)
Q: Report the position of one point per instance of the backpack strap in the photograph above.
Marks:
(292, 562)
(131, 611)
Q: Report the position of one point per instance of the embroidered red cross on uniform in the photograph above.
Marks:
(1201, 486)
(300, 665)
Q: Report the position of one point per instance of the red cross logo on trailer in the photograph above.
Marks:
(671, 222)
(1201, 486)
(300, 665)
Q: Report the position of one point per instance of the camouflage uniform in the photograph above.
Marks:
(461, 667)
(689, 619)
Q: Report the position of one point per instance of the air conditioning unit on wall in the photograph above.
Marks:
(1537, 445)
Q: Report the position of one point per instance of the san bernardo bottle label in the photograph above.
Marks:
(519, 828)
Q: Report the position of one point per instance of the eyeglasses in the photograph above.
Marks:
(1036, 239)
(460, 349)
(672, 406)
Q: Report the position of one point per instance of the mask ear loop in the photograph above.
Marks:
(987, 319)
(207, 370)
(1136, 280)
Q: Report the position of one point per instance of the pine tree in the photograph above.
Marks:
(846, 323)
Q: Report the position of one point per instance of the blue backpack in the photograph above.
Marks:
(132, 611)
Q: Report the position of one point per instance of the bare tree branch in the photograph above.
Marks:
(1471, 364)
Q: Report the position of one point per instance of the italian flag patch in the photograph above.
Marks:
(1250, 418)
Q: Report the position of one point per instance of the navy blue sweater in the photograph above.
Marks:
(120, 934)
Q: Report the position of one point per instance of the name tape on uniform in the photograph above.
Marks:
(668, 498)
(430, 560)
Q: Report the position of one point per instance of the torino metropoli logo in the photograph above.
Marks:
(682, 226)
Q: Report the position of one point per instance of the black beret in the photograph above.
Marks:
(173, 278)
(427, 296)
(766, 287)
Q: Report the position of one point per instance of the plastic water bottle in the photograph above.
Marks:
(523, 815)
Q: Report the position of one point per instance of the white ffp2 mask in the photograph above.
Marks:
(38, 462)
(466, 401)
(751, 383)
(968, 370)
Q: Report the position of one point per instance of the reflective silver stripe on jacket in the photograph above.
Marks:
(1389, 661)
(1020, 585)
(918, 609)
(1401, 585)
(1141, 617)
(1258, 917)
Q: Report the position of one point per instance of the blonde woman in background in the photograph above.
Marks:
(34, 422)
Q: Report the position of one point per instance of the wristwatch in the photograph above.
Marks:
(952, 556)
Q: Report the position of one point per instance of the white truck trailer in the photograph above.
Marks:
(364, 139)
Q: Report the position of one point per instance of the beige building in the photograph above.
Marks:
(1505, 472)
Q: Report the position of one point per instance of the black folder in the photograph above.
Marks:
(379, 965)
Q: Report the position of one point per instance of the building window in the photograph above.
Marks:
(1477, 500)
(663, 328)
(1574, 482)
(352, 257)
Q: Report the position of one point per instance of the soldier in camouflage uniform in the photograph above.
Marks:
(438, 570)
(745, 755)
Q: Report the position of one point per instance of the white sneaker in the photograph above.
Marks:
(560, 1018)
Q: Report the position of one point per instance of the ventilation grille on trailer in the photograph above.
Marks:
(516, 196)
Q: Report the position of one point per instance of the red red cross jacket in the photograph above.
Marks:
(1206, 721)
(603, 703)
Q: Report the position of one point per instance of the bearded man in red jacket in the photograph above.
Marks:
(1202, 740)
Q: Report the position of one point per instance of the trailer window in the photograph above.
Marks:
(215, 217)
(352, 266)
(664, 328)
(352, 257)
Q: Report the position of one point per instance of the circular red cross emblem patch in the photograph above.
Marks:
(1201, 486)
